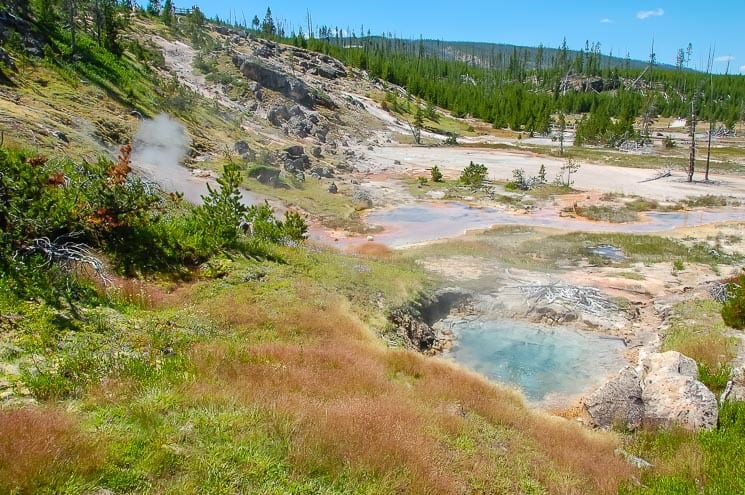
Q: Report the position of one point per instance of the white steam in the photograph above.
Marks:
(160, 146)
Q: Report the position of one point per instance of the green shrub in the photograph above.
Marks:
(733, 310)
(473, 175)
(435, 174)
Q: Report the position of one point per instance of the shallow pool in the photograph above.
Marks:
(544, 362)
(427, 221)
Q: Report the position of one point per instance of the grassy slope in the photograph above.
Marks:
(271, 379)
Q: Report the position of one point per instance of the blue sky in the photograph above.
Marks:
(621, 25)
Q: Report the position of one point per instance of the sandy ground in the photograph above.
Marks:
(417, 160)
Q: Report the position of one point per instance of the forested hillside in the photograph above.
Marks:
(525, 88)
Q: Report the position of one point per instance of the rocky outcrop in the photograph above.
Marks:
(618, 401)
(662, 391)
(268, 76)
(673, 395)
(414, 321)
(297, 122)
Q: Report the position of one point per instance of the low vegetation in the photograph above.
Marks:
(149, 345)
(696, 330)
(733, 309)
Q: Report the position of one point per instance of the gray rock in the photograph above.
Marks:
(316, 151)
(243, 149)
(738, 385)
(673, 395)
(275, 79)
(362, 197)
(617, 402)
(295, 151)
(301, 163)
(325, 172)
(278, 114)
(330, 71)
(333, 189)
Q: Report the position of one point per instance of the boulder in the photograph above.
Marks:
(362, 198)
(662, 391)
(275, 79)
(295, 151)
(278, 114)
(330, 71)
(617, 402)
(316, 151)
(324, 172)
(673, 395)
(245, 152)
(297, 164)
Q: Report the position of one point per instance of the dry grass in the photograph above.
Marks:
(40, 447)
(696, 330)
(414, 424)
(373, 250)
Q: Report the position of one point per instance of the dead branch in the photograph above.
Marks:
(723, 292)
(69, 255)
(662, 173)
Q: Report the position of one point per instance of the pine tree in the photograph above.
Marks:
(267, 26)
(167, 14)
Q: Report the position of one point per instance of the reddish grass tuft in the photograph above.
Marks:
(40, 446)
(373, 250)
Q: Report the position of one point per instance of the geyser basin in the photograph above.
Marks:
(427, 221)
(544, 362)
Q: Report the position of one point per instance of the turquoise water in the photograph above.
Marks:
(542, 361)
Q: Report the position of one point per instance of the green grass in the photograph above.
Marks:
(697, 331)
(694, 463)
(612, 214)
(333, 210)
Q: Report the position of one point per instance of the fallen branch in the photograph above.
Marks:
(69, 255)
(660, 175)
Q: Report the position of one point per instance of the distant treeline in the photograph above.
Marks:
(525, 88)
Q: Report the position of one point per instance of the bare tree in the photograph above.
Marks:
(692, 154)
(709, 63)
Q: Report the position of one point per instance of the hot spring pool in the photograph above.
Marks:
(544, 362)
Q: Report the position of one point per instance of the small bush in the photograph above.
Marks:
(733, 310)
(435, 174)
(473, 175)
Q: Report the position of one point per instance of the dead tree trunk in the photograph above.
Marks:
(692, 156)
(708, 151)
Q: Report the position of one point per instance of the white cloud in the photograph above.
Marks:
(742, 68)
(606, 21)
(724, 58)
(643, 14)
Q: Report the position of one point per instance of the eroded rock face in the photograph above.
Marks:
(414, 320)
(662, 391)
(269, 77)
(673, 395)
(738, 385)
(618, 402)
